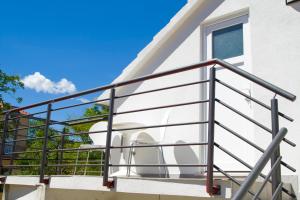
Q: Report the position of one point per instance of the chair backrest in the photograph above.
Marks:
(165, 120)
(98, 138)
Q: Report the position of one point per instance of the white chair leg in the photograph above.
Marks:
(129, 160)
(164, 162)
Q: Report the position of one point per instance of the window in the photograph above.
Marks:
(228, 42)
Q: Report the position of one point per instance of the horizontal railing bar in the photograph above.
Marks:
(28, 115)
(25, 139)
(274, 167)
(226, 65)
(80, 119)
(246, 164)
(161, 89)
(257, 80)
(251, 143)
(106, 87)
(252, 120)
(231, 178)
(277, 191)
(85, 122)
(159, 126)
(253, 99)
(128, 146)
(161, 107)
(79, 133)
(77, 149)
(72, 165)
(19, 166)
(23, 152)
(158, 145)
(29, 127)
(157, 165)
(80, 104)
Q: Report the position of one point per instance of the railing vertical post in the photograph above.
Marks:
(211, 124)
(12, 156)
(3, 140)
(276, 177)
(45, 142)
(108, 137)
(61, 153)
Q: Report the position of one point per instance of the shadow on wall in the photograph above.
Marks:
(186, 155)
(295, 5)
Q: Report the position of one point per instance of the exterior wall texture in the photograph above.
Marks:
(275, 56)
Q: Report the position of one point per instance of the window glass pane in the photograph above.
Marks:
(228, 42)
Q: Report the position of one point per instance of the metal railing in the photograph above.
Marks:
(61, 149)
(272, 148)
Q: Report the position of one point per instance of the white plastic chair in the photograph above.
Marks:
(99, 139)
(162, 132)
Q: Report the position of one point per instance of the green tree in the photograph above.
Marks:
(9, 85)
(34, 155)
(99, 112)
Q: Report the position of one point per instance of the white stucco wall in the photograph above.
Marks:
(275, 57)
(275, 40)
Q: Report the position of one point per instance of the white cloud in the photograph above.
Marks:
(84, 100)
(40, 83)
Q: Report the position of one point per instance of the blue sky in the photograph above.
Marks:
(86, 42)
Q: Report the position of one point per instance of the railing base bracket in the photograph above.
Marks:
(110, 184)
(216, 190)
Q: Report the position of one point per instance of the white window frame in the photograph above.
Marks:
(238, 60)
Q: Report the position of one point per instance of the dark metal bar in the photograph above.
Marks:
(257, 80)
(85, 122)
(253, 99)
(61, 153)
(79, 133)
(260, 165)
(248, 166)
(161, 107)
(252, 120)
(80, 119)
(17, 121)
(157, 165)
(106, 87)
(251, 143)
(24, 152)
(19, 166)
(24, 128)
(276, 164)
(2, 149)
(276, 177)
(231, 178)
(165, 88)
(211, 132)
(44, 154)
(126, 147)
(158, 145)
(80, 104)
(277, 192)
(158, 126)
(108, 136)
(28, 115)
(224, 64)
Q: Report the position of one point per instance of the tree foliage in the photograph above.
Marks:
(9, 85)
(34, 155)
